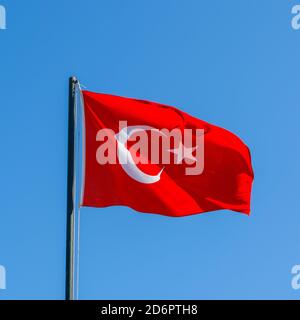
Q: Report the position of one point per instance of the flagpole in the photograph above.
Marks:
(69, 294)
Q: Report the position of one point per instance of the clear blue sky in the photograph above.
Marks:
(232, 63)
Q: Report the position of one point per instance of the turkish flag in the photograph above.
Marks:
(131, 160)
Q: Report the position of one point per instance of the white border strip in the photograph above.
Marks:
(83, 148)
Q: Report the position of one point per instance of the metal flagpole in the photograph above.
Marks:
(70, 192)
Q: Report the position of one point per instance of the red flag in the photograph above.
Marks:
(157, 159)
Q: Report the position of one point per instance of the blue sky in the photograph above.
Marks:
(232, 63)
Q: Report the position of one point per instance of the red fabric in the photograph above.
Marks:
(225, 182)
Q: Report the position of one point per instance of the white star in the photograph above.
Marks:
(183, 153)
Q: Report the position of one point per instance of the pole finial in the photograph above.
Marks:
(74, 79)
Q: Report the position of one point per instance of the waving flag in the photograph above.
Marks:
(157, 159)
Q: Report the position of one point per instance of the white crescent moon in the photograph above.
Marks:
(125, 157)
